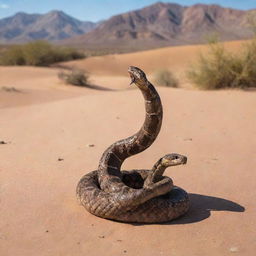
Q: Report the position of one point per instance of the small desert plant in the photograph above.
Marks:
(38, 53)
(9, 89)
(75, 77)
(221, 69)
(166, 78)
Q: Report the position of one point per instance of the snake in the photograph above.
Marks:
(139, 195)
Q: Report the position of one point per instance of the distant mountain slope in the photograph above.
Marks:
(55, 25)
(165, 24)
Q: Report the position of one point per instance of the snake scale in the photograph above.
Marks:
(144, 196)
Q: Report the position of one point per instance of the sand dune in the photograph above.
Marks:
(176, 59)
(21, 86)
(48, 121)
(38, 85)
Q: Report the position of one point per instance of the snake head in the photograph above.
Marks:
(138, 77)
(173, 159)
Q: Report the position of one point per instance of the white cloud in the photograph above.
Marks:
(4, 6)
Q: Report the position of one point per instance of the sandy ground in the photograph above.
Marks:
(21, 86)
(48, 121)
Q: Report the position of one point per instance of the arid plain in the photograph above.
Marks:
(55, 133)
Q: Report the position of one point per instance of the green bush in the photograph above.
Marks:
(247, 75)
(12, 56)
(75, 77)
(166, 78)
(38, 53)
(222, 69)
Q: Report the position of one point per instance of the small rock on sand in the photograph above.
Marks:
(233, 249)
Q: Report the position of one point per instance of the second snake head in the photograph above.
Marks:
(173, 159)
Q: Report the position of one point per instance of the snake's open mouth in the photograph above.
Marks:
(132, 78)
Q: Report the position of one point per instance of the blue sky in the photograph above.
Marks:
(95, 10)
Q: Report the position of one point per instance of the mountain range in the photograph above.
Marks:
(166, 24)
(55, 25)
(157, 25)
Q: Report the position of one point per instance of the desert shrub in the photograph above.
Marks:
(221, 69)
(38, 53)
(166, 78)
(247, 75)
(75, 77)
(12, 56)
(66, 54)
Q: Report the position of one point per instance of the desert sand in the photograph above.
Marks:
(176, 59)
(47, 122)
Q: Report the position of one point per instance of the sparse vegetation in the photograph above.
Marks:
(221, 69)
(75, 77)
(165, 78)
(38, 53)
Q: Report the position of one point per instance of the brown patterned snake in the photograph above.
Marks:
(139, 195)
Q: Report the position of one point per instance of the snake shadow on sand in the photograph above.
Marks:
(201, 207)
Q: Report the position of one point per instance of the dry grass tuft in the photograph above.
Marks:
(75, 77)
(166, 78)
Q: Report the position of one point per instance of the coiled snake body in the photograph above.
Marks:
(139, 195)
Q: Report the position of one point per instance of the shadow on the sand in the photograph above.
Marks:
(201, 207)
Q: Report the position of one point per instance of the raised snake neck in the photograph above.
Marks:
(114, 156)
